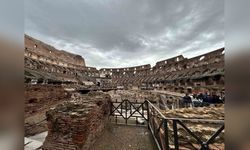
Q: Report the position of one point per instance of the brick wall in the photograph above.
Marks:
(75, 125)
(37, 97)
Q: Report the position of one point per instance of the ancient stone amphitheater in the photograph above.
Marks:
(73, 102)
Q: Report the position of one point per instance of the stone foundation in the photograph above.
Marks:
(38, 97)
(75, 125)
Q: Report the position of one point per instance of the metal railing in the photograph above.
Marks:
(165, 131)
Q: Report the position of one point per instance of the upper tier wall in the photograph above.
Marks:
(177, 63)
(35, 48)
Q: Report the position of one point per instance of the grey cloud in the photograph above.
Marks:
(111, 33)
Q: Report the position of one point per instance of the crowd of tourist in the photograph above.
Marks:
(201, 99)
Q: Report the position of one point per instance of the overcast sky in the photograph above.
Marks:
(123, 33)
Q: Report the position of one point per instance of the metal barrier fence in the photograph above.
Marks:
(165, 131)
(161, 128)
(131, 112)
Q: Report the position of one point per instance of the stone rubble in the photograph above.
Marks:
(76, 124)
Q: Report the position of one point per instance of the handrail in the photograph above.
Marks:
(163, 128)
(156, 109)
(162, 139)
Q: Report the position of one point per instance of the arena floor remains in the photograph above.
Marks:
(121, 137)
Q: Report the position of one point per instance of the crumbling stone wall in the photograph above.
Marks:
(46, 64)
(179, 74)
(75, 125)
(39, 97)
(127, 76)
(201, 73)
(38, 50)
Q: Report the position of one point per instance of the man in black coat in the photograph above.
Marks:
(187, 100)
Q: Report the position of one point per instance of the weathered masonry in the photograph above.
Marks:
(76, 124)
(204, 72)
(47, 65)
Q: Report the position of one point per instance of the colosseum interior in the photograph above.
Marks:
(68, 103)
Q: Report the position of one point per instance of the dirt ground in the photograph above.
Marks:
(121, 137)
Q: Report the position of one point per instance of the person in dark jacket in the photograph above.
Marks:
(187, 100)
(216, 99)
